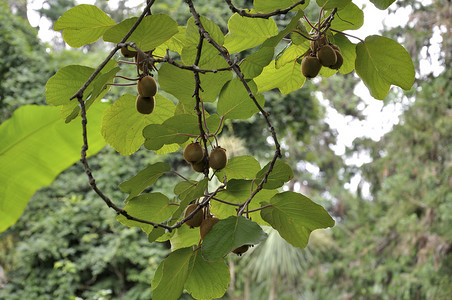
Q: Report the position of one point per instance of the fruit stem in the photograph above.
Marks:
(226, 202)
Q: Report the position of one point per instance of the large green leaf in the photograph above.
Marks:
(350, 18)
(239, 167)
(280, 174)
(329, 4)
(288, 78)
(154, 207)
(35, 147)
(207, 280)
(234, 101)
(291, 54)
(254, 63)
(83, 24)
(184, 236)
(380, 62)
(238, 191)
(152, 31)
(181, 83)
(68, 80)
(382, 4)
(266, 6)
(295, 217)
(122, 125)
(348, 50)
(245, 33)
(229, 234)
(169, 280)
(146, 177)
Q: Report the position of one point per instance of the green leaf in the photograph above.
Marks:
(239, 167)
(266, 6)
(83, 24)
(287, 78)
(207, 280)
(280, 174)
(349, 18)
(153, 31)
(181, 83)
(68, 80)
(122, 125)
(330, 4)
(154, 207)
(291, 54)
(253, 64)
(184, 236)
(245, 33)
(348, 50)
(295, 217)
(170, 131)
(208, 52)
(35, 147)
(380, 62)
(146, 177)
(155, 234)
(234, 101)
(238, 191)
(382, 4)
(175, 43)
(170, 284)
(229, 234)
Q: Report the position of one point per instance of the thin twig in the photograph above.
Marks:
(244, 13)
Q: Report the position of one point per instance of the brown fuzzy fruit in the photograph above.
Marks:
(310, 66)
(316, 43)
(147, 87)
(199, 166)
(128, 53)
(340, 58)
(196, 220)
(193, 153)
(240, 250)
(145, 105)
(327, 56)
(207, 225)
(218, 158)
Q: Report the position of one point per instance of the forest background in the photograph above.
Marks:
(393, 238)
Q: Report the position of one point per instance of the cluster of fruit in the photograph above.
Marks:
(321, 53)
(146, 86)
(195, 155)
(206, 224)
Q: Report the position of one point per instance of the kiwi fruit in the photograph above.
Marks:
(218, 158)
(193, 153)
(310, 66)
(327, 56)
(317, 42)
(240, 250)
(206, 226)
(197, 218)
(145, 105)
(340, 58)
(198, 166)
(128, 53)
(147, 87)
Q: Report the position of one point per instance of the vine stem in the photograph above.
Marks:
(244, 12)
(223, 51)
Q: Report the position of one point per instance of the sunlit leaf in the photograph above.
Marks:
(36, 145)
(380, 62)
(83, 24)
(382, 4)
(287, 78)
(350, 18)
(295, 217)
(280, 174)
(122, 124)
